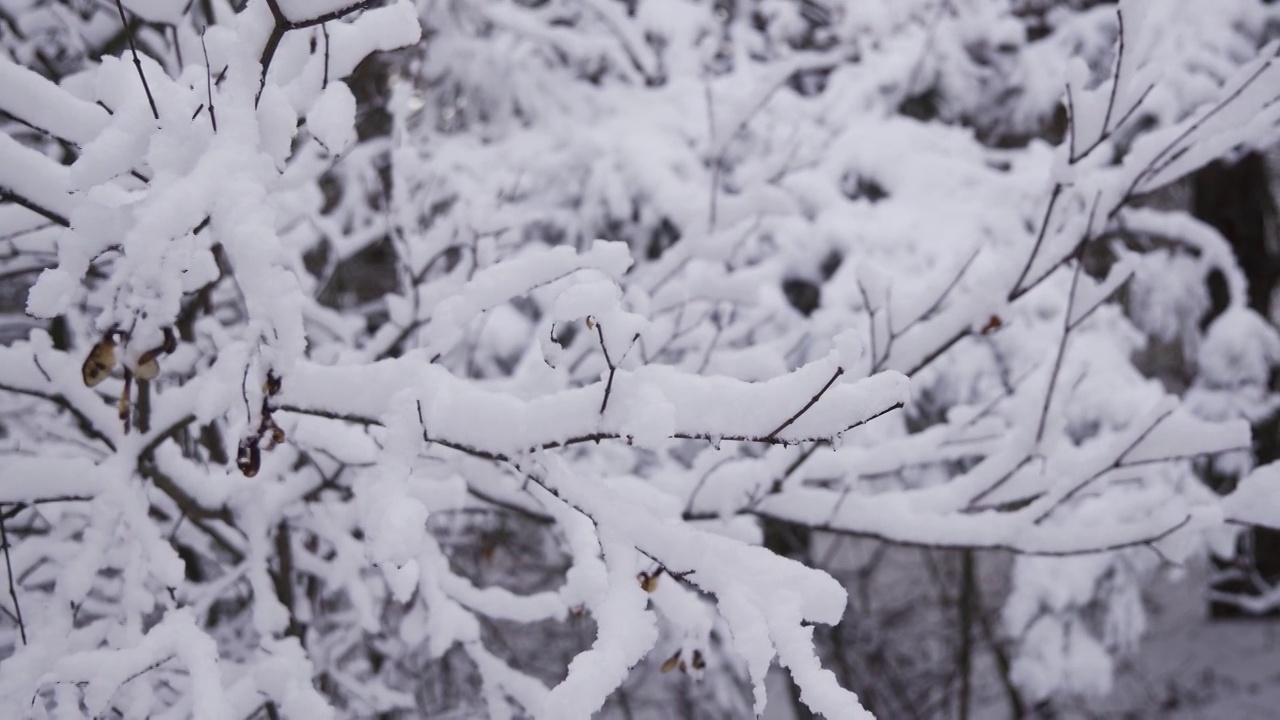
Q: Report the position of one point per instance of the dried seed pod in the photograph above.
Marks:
(101, 361)
(249, 457)
(277, 434)
(672, 663)
(698, 662)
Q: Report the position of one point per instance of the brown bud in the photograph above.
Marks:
(649, 581)
(697, 662)
(101, 361)
(272, 384)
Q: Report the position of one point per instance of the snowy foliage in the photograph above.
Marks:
(636, 278)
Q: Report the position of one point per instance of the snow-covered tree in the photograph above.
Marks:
(471, 378)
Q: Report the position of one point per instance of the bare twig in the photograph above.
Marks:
(7, 194)
(1062, 347)
(1018, 291)
(1168, 155)
(85, 424)
(208, 82)
(608, 387)
(283, 25)
(816, 397)
(324, 30)
(871, 319)
(1155, 537)
(497, 456)
(128, 33)
(13, 590)
(1108, 130)
(937, 302)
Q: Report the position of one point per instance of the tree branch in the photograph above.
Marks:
(13, 590)
(13, 197)
(133, 49)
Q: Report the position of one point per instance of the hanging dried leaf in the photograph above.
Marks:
(147, 369)
(101, 361)
(672, 663)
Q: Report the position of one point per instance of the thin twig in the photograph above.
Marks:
(608, 387)
(937, 302)
(128, 33)
(497, 456)
(283, 25)
(871, 319)
(1071, 127)
(909, 542)
(208, 83)
(13, 590)
(324, 30)
(1018, 290)
(1163, 159)
(35, 207)
(1062, 347)
(816, 397)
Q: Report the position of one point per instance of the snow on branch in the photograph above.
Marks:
(334, 396)
(651, 404)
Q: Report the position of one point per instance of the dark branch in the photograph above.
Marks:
(128, 33)
(907, 542)
(208, 83)
(937, 302)
(86, 425)
(608, 387)
(813, 400)
(1018, 290)
(1062, 345)
(13, 589)
(33, 206)
(283, 25)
